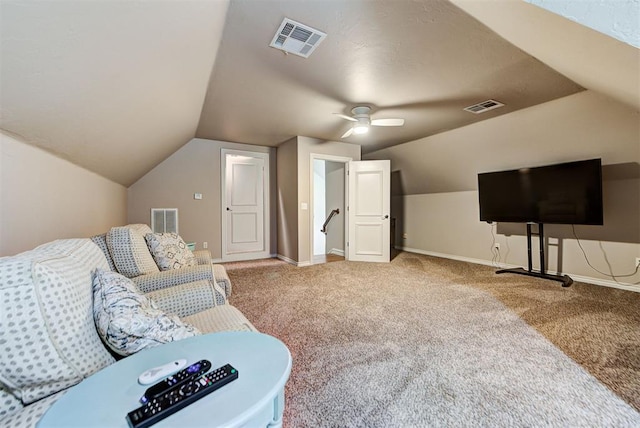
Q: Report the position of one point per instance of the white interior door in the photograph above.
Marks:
(245, 221)
(369, 209)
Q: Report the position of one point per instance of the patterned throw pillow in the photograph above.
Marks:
(127, 320)
(170, 251)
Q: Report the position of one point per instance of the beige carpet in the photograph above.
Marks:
(428, 341)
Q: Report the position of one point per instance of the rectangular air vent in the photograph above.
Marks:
(296, 38)
(164, 220)
(483, 106)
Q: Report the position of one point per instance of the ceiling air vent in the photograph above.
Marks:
(296, 38)
(483, 106)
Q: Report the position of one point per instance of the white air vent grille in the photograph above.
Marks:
(296, 38)
(483, 106)
(164, 220)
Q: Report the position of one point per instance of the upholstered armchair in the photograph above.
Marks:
(127, 252)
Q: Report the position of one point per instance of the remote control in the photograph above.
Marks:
(177, 398)
(193, 371)
(159, 372)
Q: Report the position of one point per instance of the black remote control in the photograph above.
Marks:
(174, 381)
(177, 398)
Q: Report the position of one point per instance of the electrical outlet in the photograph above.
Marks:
(637, 261)
(496, 246)
(205, 245)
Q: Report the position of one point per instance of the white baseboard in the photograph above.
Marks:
(293, 262)
(575, 277)
(270, 256)
(337, 252)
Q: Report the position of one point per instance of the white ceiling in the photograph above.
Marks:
(116, 87)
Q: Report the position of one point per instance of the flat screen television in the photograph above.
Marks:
(566, 193)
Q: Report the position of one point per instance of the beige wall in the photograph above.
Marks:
(334, 179)
(194, 168)
(287, 199)
(307, 146)
(447, 222)
(294, 189)
(43, 197)
(447, 225)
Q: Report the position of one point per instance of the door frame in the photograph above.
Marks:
(266, 253)
(331, 158)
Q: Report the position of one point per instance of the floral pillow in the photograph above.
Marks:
(169, 251)
(127, 320)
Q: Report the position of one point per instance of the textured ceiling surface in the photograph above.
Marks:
(118, 86)
(423, 61)
(113, 86)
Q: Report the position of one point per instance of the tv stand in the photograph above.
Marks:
(564, 279)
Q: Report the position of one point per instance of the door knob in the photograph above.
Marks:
(229, 209)
(386, 216)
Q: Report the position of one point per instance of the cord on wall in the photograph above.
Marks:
(495, 248)
(606, 259)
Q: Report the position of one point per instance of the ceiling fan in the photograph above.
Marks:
(363, 121)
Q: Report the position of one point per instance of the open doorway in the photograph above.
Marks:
(329, 209)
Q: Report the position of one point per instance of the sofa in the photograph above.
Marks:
(50, 335)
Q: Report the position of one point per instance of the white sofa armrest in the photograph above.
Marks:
(203, 257)
(170, 278)
(190, 298)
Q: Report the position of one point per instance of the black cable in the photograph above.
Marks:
(615, 277)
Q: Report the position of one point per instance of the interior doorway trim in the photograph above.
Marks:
(332, 158)
(252, 255)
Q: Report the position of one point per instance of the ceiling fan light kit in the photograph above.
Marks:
(360, 129)
(363, 121)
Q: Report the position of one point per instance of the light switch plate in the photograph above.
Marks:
(197, 196)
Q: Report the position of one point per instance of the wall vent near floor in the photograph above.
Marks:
(164, 220)
(483, 106)
(296, 38)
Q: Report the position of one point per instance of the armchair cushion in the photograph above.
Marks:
(28, 417)
(187, 299)
(127, 320)
(220, 318)
(46, 321)
(203, 257)
(169, 251)
(129, 250)
(101, 242)
(170, 278)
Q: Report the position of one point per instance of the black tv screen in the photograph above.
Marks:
(566, 193)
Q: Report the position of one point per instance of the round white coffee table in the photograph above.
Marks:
(256, 398)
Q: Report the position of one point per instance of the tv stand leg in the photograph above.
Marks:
(564, 279)
(529, 264)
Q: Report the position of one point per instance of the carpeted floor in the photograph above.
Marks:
(424, 341)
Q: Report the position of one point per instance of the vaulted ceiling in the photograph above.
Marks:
(116, 87)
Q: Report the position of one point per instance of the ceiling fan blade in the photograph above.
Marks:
(346, 117)
(348, 133)
(387, 122)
